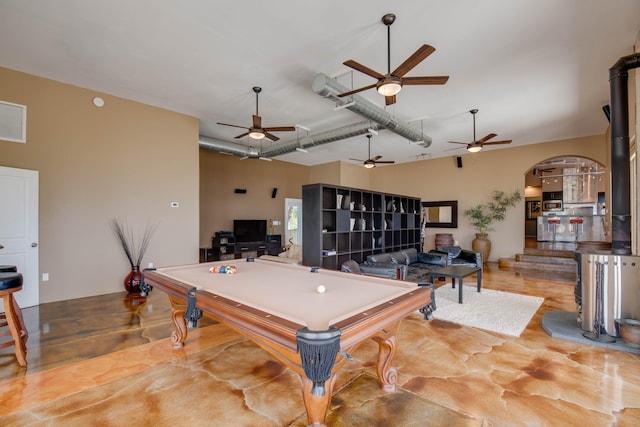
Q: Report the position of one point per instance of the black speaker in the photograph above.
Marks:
(273, 193)
(607, 112)
(240, 191)
(459, 161)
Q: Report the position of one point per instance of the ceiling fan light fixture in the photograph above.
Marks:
(474, 148)
(389, 87)
(369, 165)
(256, 134)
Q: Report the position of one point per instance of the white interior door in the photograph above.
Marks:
(19, 229)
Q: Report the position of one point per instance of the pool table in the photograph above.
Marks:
(279, 308)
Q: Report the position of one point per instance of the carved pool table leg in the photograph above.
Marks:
(179, 335)
(387, 344)
(316, 405)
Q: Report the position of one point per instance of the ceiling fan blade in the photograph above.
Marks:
(507, 141)
(279, 129)
(425, 80)
(390, 100)
(363, 69)
(351, 92)
(384, 161)
(375, 158)
(270, 136)
(235, 126)
(257, 121)
(242, 136)
(356, 160)
(486, 138)
(457, 148)
(455, 142)
(417, 57)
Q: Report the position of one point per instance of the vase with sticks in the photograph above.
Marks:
(134, 248)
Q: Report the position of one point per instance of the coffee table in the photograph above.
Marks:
(457, 272)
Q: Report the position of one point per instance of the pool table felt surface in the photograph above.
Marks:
(290, 291)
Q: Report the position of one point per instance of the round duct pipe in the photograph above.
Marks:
(348, 131)
(327, 87)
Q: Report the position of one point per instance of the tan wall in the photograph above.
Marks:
(481, 173)
(328, 173)
(126, 159)
(354, 176)
(220, 175)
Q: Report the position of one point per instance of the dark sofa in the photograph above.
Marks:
(386, 271)
(414, 266)
(458, 256)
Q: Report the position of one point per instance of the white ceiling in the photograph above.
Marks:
(537, 70)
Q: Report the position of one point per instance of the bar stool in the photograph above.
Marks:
(12, 269)
(553, 222)
(576, 223)
(11, 282)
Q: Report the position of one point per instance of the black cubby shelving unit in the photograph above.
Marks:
(342, 223)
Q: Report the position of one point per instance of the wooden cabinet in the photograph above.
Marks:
(342, 223)
(225, 247)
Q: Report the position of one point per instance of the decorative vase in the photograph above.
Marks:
(483, 245)
(444, 239)
(133, 280)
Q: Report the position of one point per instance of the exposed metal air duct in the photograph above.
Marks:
(307, 141)
(332, 135)
(227, 147)
(327, 87)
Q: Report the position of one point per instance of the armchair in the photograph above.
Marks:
(416, 266)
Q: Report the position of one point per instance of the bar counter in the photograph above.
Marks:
(592, 228)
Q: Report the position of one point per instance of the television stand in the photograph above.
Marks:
(250, 249)
(225, 247)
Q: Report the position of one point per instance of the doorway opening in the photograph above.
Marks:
(292, 222)
(569, 189)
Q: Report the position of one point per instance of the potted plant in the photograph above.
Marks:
(483, 215)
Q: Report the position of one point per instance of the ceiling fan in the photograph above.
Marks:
(256, 131)
(391, 83)
(371, 162)
(477, 145)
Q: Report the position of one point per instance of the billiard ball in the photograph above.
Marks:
(321, 289)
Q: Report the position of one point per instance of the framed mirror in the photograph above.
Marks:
(440, 214)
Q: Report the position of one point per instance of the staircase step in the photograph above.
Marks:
(545, 259)
(547, 267)
(549, 252)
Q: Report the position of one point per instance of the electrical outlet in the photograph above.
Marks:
(45, 277)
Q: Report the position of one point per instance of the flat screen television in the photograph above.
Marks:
(250, 230)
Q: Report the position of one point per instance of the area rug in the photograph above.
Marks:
(503, 312)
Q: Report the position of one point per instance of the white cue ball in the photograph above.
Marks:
(321, 289)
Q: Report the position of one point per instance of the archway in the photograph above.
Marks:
(571, 189)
